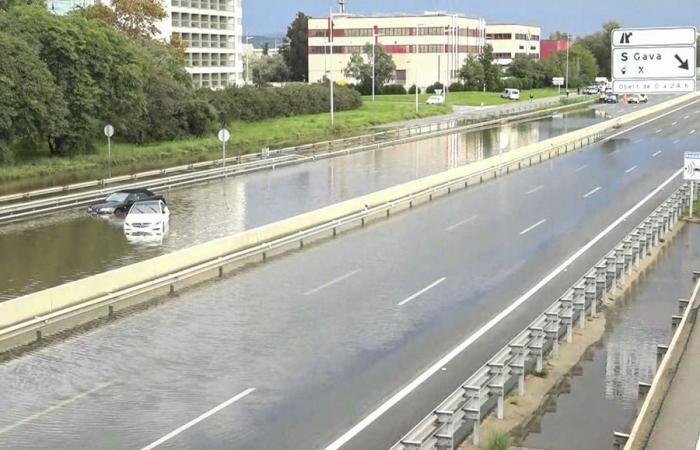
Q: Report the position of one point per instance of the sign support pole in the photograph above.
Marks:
(692, 198)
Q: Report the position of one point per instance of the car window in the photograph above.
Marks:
(117, 197)
(145, 208)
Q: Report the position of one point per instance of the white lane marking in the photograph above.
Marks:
(332, 282)
(676, 141)
(654, 155)
(592, 192)
(452, 354)
(686, 117)
(459, 224)
(613, 136)
(421, 292)
(194, 422)
(532, 227)
(659, 131)
(613, 152)
(631, 169)
(637, 141)
(580, 168)
(535, 189)
(692, 132)
(674, 124)
(56, 406)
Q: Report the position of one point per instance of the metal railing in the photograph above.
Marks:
(460, 414)
(215, 266)
(208, 170)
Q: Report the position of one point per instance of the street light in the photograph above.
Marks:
(247, 61)
(567, 64)
(375, 35)
(418, 27)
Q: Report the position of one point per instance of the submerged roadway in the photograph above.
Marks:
(312, 349)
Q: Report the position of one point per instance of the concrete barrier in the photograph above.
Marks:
(72, 294)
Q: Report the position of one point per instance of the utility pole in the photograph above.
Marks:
(330, 75)
(567, 64)
(374, 43)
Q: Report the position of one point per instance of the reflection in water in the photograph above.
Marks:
(67, 246)
(602, 393)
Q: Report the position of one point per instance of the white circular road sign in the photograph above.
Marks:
(109, 131)
(224, 135)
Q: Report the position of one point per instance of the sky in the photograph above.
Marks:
(575, 16)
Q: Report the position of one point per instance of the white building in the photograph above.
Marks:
(509, 40)
(425, 48)
(212, 30)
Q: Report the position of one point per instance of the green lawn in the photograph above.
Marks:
(470, 98)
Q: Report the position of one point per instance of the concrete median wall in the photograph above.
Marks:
(44, 302)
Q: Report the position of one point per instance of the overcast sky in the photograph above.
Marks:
(575, 16)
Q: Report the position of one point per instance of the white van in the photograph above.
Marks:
(511, 94)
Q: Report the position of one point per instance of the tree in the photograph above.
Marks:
(268, 69)
(295, 51)
(360, 68)
(266, 48)
(492, 73)
(558, 36)
(472, 74)
(138, 18)
(697, 49)
(582, 66)
(599, 45)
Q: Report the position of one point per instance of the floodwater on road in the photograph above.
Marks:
(69, 245)
(599, 395)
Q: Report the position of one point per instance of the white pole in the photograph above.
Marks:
(567, 63)
(109, 156)
(692, 198)
(330, 76)
(223, 157)
(374, 38)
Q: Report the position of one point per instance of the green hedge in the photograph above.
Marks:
(251, 104)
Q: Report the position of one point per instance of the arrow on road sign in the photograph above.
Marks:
(625, 38)
(684, 64)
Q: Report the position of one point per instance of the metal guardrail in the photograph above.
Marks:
(460, 414)
(244, 164)
(216, 265)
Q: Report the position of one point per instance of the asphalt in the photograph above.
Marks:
(319, 334)
(68, 246)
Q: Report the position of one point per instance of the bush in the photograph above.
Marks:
(393, 89)
(498, 440)
(412, 90)
(435, 86)
(457, 87)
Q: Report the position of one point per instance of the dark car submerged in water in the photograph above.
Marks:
(118, 203)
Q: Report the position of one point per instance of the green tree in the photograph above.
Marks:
(582, 66)
(268, 69)
(138, 18)
(472, 74)
(558, 35)
(599, 45)
(360, 68)
(31, 105)
(295, 50)
(492, 72)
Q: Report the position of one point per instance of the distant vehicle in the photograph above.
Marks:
(638, 98)
(511, 94)
(118, 203)
(436, 100)
(590, 90)
(150, 217)
(611, 98)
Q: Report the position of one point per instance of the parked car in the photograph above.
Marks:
(436, 100)
(511, 94)
(150, 217)
(611, 98)
(118, 203)
(591, 90)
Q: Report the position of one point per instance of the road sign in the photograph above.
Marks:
(224, 135)
(109, 131)
(691, 166)
(653, 60)
(558, 81)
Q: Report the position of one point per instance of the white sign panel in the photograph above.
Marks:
(691, 166)
(109, 130)
(653, 62)
(653, 36)
(558, 81)
(648, 60)
(224, 135)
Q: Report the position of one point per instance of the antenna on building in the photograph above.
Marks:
(342, 6)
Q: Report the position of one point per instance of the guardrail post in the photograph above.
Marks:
(497, 388)
(675, 321)
(620, 265)
(518, 366)
(580, 295)
(620, 439)
(589, 290)
(682, 305)
(472, 412)
(643, 389)
(567, 315)
(627, 254)
(552, 329)
(411, 445)
(643, 243)
(660, 353)
(610, 273)
(600, 280)
(634, 236)
(445, 434)
(536, 346)
(580, 307)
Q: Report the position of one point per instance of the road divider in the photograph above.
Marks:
(34, 316)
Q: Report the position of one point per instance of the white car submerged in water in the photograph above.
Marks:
(147, 218)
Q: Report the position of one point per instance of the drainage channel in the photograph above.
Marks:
(599, 395)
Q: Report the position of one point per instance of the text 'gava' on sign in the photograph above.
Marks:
(631, 63)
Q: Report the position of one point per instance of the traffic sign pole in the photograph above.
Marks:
(692, 198)
(109, 132)
(224, 135)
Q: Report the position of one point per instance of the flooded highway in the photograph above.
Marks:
(70, 245)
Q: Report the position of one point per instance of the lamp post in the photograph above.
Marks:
(415, 63)
(567, 64)
(247, 61)
(330, 72)
(375, 34)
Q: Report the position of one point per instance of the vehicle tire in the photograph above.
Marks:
(120, 213)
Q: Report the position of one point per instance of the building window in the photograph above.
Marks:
(532, 47)
(521, 36)
(521, 47)
(431, 31)
(502, 55)
(535, 37)
(358, 32)
(400, 76)
(499, 36)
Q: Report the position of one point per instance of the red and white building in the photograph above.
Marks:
(549, 46)
(425, 48)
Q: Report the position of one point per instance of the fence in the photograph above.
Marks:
(461, 413)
